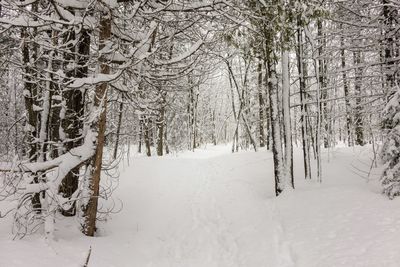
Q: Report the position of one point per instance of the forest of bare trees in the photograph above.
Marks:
(85, 83)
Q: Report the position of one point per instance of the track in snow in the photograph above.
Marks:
(221, 214)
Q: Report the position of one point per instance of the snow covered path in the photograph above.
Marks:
(211, 214)
(217, 209)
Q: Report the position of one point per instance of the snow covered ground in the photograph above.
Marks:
(212, 208)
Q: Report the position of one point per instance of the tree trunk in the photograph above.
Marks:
(100, 103)
(275, 128)
(302, 69)
(166, 139)
(267, 106)
(192, 110)
(359, 131)
(214, 130)
(390, 123)
(146, 136)
(260, 104)
(323, 107)
(140, 134)
(287, 120)
(30, 101)
(248, 130)
(74, 108)
(346, 91)
(235, 116)
(160, 127)
(117, 138)
(241, 114)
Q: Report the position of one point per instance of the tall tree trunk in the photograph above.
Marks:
(260, 104)
(320, 110)
(235, 116)
(30, 98)
(267, 106)
(245, 100)
(45, 113)
(359, 131)
(289, 182)
(166, 139)
(214, 130)
(140, 134)
(275, 128)
(302, 69)
(100, 103)
(390, 123)
(146, 136)
(323, 107)
(55, 103)
(74, 108)
(346, 90)
(192, 110)
(160, 126)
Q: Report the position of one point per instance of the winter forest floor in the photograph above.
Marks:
(213, 208)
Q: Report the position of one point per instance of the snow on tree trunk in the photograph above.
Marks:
(99, 103)
(358, 119)
(73, 106)
(345, 90)
(288, 174)
(323, 82)
(261, 105)
(276, 130)
(45, 199)
(301, 66)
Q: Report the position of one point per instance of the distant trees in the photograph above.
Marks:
(271, 41)
(336, 88)
(368, 66)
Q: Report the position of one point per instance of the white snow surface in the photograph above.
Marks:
(211, 208)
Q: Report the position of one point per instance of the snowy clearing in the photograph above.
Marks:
(213, 208)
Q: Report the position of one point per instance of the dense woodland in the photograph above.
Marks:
(83, 83)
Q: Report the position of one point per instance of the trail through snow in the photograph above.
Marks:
(217, 219)
(212, 208)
